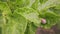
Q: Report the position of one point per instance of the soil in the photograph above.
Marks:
(53, 30)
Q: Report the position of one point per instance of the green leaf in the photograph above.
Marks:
(58, 6)
(43, 1)
(30, 14)
(0, 30)
(3, 0)
(31, 29)
(16, 24)
(5, 9)
(22, 3)
(35, 5)
(47, 5)
(55, 10)
(51, 19)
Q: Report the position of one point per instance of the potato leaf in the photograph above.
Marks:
(30, 14)
(16, 24)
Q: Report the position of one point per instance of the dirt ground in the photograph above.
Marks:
(53, 30)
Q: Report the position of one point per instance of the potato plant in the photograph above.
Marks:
(25, 16)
